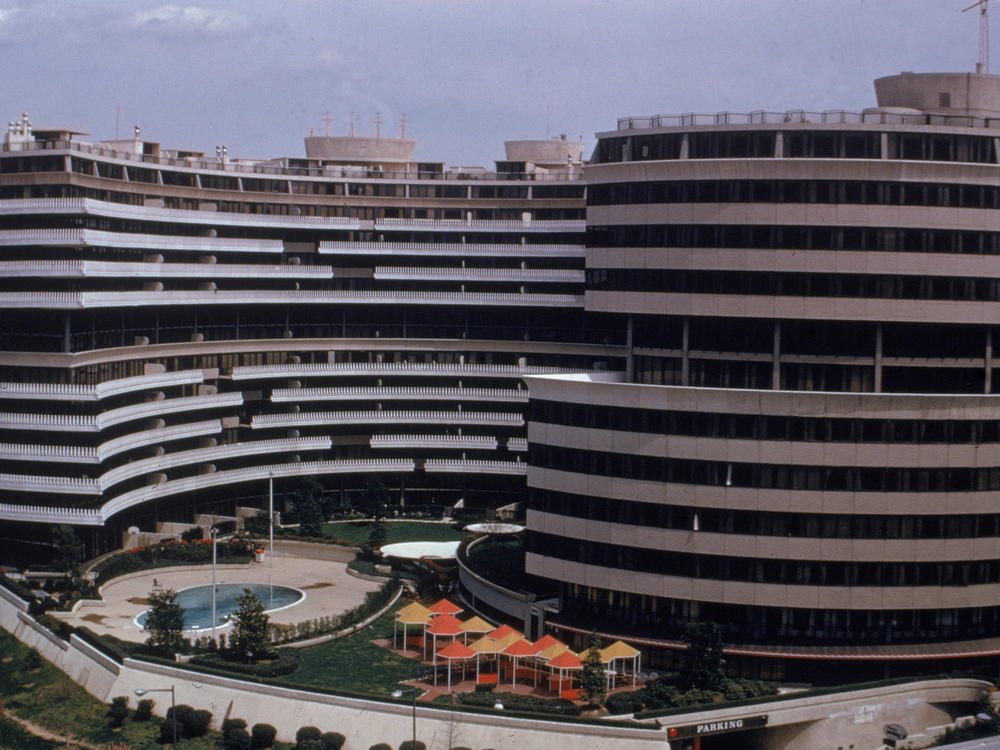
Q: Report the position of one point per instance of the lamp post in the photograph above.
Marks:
(414, 691)
(270, 517)
(173, 711)
(215, 534)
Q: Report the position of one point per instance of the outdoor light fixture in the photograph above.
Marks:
(173, 711)
(400, 694)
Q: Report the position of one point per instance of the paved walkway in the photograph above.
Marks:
(328, 588)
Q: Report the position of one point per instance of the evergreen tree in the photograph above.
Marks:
(308, 507)
(165, 622)
(69, 549)
(593, 683)
(376, 500)
(250, 625)
(704, 662)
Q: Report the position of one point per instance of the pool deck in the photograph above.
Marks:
(328, 588)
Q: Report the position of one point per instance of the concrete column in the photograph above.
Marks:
(776, 358)
(988, 370)
(629, 356)
(685, 354)
(878, 358)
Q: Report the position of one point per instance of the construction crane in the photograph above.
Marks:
(983, 66)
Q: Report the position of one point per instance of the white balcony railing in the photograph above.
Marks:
(95, 269)
(210, 453)
(300, 419)
(167, 406)
(527, 275)
(61, 485)
(457, 466)
(483, 225)
(457, 442)
(76, 454)
(505, 250)
(398, 393)
(93, 300)
(74, 237)
(158, 435)
(431, 369)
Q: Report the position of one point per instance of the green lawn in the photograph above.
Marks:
(354, 664)
(48, 698)
(355, 533)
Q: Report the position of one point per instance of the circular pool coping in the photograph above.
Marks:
(221, 613)
(495, 528)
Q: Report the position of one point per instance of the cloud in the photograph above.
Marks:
(189, 18)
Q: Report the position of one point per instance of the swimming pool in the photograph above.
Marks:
(197, 602)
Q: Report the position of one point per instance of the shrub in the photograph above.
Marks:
(332, 740)
(309, 745)
(307, 733)
(191, 535)
(118, 711)
(381, 746)
(411, 745)
(624, 703)
(143, 710)
(262, 736)
(32, 661)
(235, 735)
(190, 723)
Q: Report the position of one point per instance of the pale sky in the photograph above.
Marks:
(469, 74)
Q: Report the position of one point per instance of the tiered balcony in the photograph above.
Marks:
(393, 417)
(159, 435)
(506, 250)
(518, 444)
(398, 393)
(94, 269)
(91, 300)
(210, 453)
(71, 392)
(408, 369)
(460, 466)
(135, 241)
(91, 207)
(485, 225)
(167, 406)
(522, 275)
(49, 453)
(457, 442)
(60, 485)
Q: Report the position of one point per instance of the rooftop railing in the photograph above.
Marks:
(268, 167)
(825, 117)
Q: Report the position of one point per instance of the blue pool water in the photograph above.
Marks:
(197, 602)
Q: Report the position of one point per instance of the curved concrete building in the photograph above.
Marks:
(179, 330)
(804, 447)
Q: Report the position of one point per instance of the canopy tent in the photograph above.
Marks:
(619, 651)
(444, 607)
(502, 631)
(520, 648)
(486, 647)
(445, 626)
(413, 613)
(477, 626)
(566, 661)
(548, 640)
(454, 651)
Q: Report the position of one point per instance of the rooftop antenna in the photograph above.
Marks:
(983, 66)
(378, 124)
(326, 120)
(403, 122)
(354, 119)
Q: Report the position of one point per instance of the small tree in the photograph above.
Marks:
(250, 626)
(118, 711)
(332, 740)
(308, 507)
(69, 549)
(376, 498)
(143, 710)
(235, 735)
(165, 622)
(592, 681)
(704, 662)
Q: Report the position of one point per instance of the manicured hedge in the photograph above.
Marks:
(286, 663)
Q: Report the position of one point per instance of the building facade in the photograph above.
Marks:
(180, 329)
(804, 445)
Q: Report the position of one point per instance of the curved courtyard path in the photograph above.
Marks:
(328, 588)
